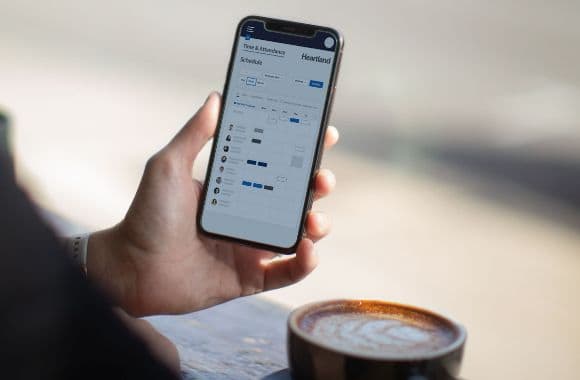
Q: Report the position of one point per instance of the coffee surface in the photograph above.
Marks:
(388, 332)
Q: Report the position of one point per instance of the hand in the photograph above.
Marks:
(155, 262)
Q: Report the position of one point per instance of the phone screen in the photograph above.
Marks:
(271, 123)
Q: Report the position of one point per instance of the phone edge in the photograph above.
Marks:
(319, 149)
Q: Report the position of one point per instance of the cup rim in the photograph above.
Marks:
(302, 310)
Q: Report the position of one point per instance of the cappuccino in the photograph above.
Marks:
(365, 339)
(378, 330)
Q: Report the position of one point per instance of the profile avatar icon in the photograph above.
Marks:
(226, 148)
(231, 127)
(221, 169)
(224, 158)
(229, 138)
(218, 180)
(214, 201)
(216, 190)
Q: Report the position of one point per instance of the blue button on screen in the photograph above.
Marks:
(316, 83)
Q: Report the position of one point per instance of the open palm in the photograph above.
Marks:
(168, 267)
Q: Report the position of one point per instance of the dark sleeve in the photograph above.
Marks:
(53, 323)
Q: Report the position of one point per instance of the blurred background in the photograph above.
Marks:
(458, 167)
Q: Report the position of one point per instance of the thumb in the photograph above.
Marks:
(198, 130)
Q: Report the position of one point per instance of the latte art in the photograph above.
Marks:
(379, 333)
(372, 340)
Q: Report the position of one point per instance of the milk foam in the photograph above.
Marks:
(379, 333)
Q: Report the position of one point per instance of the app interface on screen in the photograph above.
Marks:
(267, 139)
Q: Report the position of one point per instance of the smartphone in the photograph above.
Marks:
(267, 148)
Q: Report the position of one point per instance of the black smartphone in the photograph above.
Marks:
(268, 144)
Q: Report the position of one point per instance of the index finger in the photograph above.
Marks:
(287, 271)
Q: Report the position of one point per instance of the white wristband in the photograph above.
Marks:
(77, 246)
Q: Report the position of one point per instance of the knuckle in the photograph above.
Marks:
(162, 163)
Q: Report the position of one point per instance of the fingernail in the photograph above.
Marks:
(332, 179)
(321, 220)
(211, 94)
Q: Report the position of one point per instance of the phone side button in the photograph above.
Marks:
(310, 201)
(331, 102)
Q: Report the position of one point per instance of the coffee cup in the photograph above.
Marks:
(367, 339)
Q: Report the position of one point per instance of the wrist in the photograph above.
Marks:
(110, 266)
(76, 246)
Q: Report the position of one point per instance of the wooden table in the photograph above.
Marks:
(242, 339)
